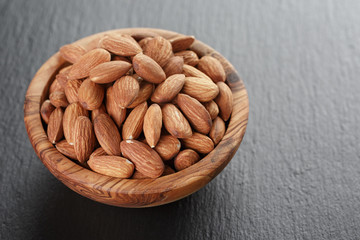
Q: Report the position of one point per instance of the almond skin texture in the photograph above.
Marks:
(72, 90)
(159, 49)
(98, 152)
(217, 131)
(195, 112)
(167, 147)
(199, 142)
(109, 71)
(144, 41)
(112, 166)
(174, 66)
(84, 138)
(168, 170)
(167, 90)
(126, 89)
(66, 149)
(202, 89)
(120, 45)
(63, 76)
(90, 95)
(213, 68)
(175, 122)
(97, 112)
(46, 109)
(191, 71)
(148, 69)
(146, 160)
(139, 175)
(88, 61)
(55, 86)
(146, 90)
(212, 108)
(152, 125)
(224, 100)
(190, 57)
(185, 159)
(55, 126)
(107, 134)
(58, 99)
(72, 112)
(133, 124)
(116, 113)
(182, 43)
(72, 52)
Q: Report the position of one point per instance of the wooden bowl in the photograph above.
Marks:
(134, 192)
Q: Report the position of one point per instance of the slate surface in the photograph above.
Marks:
(297, 172)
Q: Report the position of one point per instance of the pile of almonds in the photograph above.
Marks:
(137, 106)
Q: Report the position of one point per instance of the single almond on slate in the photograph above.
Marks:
(90, 94)
(72, 52)
(139, 175)
(185, 159)
(212, 108)
(181, 43)
(175, 122)
(116, 113)
(109, 71)
(159, 49)
(84, 138)
(190, 57)
(72, 90)
(46, 109)
(66, 149)
(174, 66)
(55, 126)
(152, 125)
(63, 76)
(167, 147)
(213, 68)
(120, 58)
(145, 91)
(202, 89)
(98, 152)
(168, 170)
(195, 112)
(97, 112)
(126, 89)
(191, 71)
(199, 142)
(88, 61)
(121, 45)
(112, 166)
(217, 131)
(224, 100)
(55, 86)
(72, 112)
(107, 134)
(148, 69)
(146, 160)
(133, 124)
(168, 89)
(58, 99)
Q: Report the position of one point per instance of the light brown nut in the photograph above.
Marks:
(152, 125)
(168, 89)
(195, 112)
(191, 71)
(72, 52)
(146, 160)
(72, 112)
(168, 170)
(143, 34)
(224, 100)
(122, 45)
(55, 86)
(107, 134)
(84, 138)
(185, 159)
(97, 112)
(98, 152)
(90, 94)
(144, 41)
(175, 122)
(116, 113)
(213, 68)
(58, 99)
(190, 57)
(126, 89)
(55, 127)
(66, 149)
(63, 76)
(199, 142)
(159, 49)
(212, 108)
(109, 71)
(174, 66)
(148, 69)
(146, 90)
(133, 124)
(72, 90)
(167, 147)
(112, 166)
(46, 109)
(181, 43)
(201, 89)
(139, 175)
(217, 131)
(120, 58)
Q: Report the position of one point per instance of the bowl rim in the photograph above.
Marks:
(134, 192)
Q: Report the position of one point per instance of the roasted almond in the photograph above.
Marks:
(202, 89)
(217, 131)
(190, 57)
(55, 86)
(98, 152)
(112, 166)
(122, 45)
(174, 66)
(212, 108)
(199, 142)
(126, 89)
(152, 125)
(133, 124)
(148, 69)
(167, 147)
(175, 122)
(168, 89)
(224, 100)
(97, 112)
(55, 127)
(145, 91)
(185, 159)
(72, 52)
(90, 94)
(159, 49)
(84, 138)
(181, 43)
(58, 99)
(191, 71)
(116, 113)
(72, 112)
(109, 71)
(168, 170)
(66, 149)
(72, 90)
(46, 109)
(213, 68)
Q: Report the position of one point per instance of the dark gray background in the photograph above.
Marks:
(295, 176)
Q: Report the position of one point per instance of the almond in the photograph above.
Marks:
(217, 131)
(120, 58)
(144, 34)
(190, 57)
(97, 112)
(90, 94)
(148, 69)
(72, 52)
(72, 112)
(66, 149)
(168, 170)
(202, 89)
(116, 113)
(109, 71)
(72, 90)
(46, 109)
(98, 152)
(120, 45)
(112, 166)
(195, 112)
(167, 147)
(213, 68)
(224, 100)
(159, 49)
(84, 138)
(146, 160)
(175, 122)
(107, 134)
(58, 99)
(81, 69)
(181, 43)
(63, 76)
(133, 124)
(126, 89)
(146, 89)
(199, 142)
(55, 127)
(212, 108)
(191, 71)
(168, 89)
(174, 66)
(55, 86)
(139, 175)
(144, 41)
(152, 125)
(185, 159)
